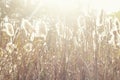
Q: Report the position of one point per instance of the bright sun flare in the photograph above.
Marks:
(108, 5)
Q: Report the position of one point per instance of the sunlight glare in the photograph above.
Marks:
(80, 5)
(107, 5)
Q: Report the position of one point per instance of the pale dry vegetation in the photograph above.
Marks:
(85, 47)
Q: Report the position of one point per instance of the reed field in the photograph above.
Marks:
(60, 47)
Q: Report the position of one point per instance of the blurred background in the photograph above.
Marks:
(53, 7)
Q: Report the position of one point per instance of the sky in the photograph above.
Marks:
(108, 5)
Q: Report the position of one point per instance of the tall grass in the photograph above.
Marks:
(85, 48)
